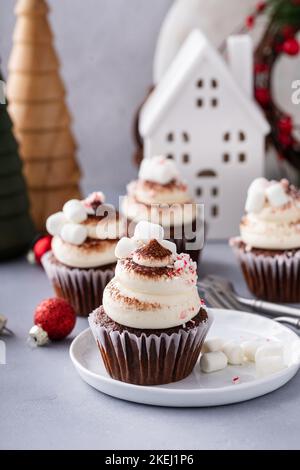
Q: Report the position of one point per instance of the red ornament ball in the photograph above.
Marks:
(260, 6)
(56, 317)
(291, 47)
(263, 96)
(41, 247)
(285, 140)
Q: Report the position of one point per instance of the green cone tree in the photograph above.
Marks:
(16, 227)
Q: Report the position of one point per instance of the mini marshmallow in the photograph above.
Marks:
(55, 223)
(255, 200)
(75, 211)
(234, 353)
(277, 195)
(213, 345)
(270, 349)
(258, 184)
(250, 348)
(213, 361)
(269, 365)
(169, 246)
(148, 231)
(158, 169)
(125, 247)
(75, 234)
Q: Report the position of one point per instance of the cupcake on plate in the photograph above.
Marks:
(160, 196)
(152, 324)
(82, 260)
(269, 246)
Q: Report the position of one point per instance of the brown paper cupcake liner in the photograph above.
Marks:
(149, 359)
(275, 278)
(83, 288)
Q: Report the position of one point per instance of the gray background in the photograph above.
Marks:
(106, 49)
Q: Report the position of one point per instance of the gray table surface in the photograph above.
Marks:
(45, 405)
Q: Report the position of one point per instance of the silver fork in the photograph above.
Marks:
(218, 298)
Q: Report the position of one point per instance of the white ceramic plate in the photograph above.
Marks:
(198, 389)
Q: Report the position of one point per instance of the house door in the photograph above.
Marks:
(207, 191)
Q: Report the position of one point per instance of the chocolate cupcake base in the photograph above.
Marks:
(83, 288)
(272, 275)
(149, 357)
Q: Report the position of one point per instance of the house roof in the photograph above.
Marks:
(195, 49)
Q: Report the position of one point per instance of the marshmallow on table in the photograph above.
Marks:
(213, 361)
(234, 353)
(277, 195)
(250, 347)
(125, 247)
(147, 231)
(74, 211)
(267, 350)
(158, 169)
(213, 345)
(75, 234)
(55, 223)
(267, 365)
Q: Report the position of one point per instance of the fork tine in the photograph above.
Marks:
(210, 299)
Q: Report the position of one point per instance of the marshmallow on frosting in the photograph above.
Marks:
(158, 169)
(144, 232)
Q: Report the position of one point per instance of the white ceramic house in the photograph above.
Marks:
(202, 114)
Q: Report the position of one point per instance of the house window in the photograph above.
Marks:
(242, 157)
(198, 192)
(199, 102)
(170, 156)
(214, 191)
(185, 137)
(185, 158)
(170, 137)
(214, 102)
(214, 83)
(226, 137)
(242, 136)
(226, 157)
(200, 83)
(214, 211)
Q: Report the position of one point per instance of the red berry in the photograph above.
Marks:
(285, 140)
(261, 68)
(290, 47)
(41, 247)
(56, 317)
(288, 31)
(263, 96)
(260, 6)
(250, 20)
(285, 124)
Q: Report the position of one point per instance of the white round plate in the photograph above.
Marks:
(198, 389)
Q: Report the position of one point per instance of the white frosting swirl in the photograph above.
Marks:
(165, 215)
(84, 256)
(153, 289)
(274, 226)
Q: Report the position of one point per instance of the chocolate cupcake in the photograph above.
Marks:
(82, 260)
(152, 324)
(161, 197)
(269, 246)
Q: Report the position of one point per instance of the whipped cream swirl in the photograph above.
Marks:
(153, 288)
(273, 216)
(159, 195)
